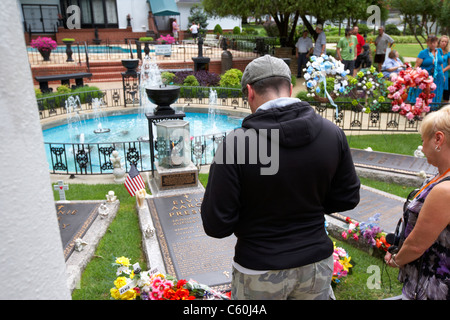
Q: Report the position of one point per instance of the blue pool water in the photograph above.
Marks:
(131, 127)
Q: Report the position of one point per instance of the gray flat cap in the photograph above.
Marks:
(264, 67)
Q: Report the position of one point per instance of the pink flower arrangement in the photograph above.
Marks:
(44, 44)
(398, 92)
(166, 39)
(341, 264)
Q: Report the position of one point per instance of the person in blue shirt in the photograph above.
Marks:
(392, 64)
(443, 44)
(431, 59)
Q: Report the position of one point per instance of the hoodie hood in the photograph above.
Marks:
(297, 123)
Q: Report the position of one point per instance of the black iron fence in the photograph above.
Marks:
(107, 50)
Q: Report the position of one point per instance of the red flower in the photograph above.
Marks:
(181, 283)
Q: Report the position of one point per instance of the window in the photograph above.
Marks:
(96, 13)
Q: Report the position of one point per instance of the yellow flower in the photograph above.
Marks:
(115, 293)
(120, 282)
(129, 295)
(346, 263)
(123, 261)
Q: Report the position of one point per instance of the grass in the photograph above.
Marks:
(408, 49)
(404, 144)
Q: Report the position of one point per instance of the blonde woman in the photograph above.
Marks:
(444, 45)
(424, 257)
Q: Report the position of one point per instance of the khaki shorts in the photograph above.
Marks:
(310, 282)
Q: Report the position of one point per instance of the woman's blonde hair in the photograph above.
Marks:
(436, 121)
(448, 43)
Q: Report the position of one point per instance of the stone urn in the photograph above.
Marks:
(163, 96)
(69, 51)
(131, 65)
(45, 54)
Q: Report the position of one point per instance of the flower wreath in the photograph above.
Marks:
(316, 71)
(398, 92)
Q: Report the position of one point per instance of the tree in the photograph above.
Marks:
(198, 15)
(422, 16)
(286, 13)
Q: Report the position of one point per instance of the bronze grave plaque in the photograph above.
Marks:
(74, 220)
(187, 251)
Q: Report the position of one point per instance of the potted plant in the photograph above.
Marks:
(45, 46)
(146, 41)
(68, 42)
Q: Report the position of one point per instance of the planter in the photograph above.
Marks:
(69, 51)
(163, 97)
(45, 54)
(131, 65)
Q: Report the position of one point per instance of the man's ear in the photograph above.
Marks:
(251, 93)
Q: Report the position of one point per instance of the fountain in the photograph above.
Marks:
(74, 122)
(212, 109)
(98, 115)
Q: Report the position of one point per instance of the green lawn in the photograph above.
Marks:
(408, 49)
(392, 143)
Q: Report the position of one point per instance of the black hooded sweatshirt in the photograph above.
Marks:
(278, 219)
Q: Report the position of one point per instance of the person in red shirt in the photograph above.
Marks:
(360, 43)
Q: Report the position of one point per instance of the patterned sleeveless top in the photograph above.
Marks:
(427, 277)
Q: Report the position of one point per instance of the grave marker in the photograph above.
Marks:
(74, 220)
(61, 187)
(187, 251)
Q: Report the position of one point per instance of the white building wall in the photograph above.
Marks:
(31, 253)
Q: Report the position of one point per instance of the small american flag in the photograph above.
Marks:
(134, 181)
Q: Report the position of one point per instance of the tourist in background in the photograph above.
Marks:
(321, 41)
(194, 30)
(424, 257)
(346, 50)
(431, 59)
(282, 250)
(175, 29)
(392, 64)
(382, 42)
(360, 39)
(303, 49)
(363, 60)
(444, 45)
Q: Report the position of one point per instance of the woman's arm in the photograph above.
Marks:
(418, 62)
(433, 218)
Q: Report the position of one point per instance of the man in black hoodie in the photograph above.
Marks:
(271, 183)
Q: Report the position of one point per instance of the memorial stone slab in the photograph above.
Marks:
(74, 220)
(187, 251)
(392, 162)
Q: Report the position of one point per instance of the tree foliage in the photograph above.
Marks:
(287, 13)
(422, 16)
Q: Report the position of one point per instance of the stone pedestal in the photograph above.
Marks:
(168, 180)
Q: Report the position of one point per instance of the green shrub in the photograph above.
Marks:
(231, 79)
(167, 77)
(236, 30)
(191, 81)
(68, 39)
(392, 30)
(218, 29)
(38, 93)
(143, 39)
(63, 89)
